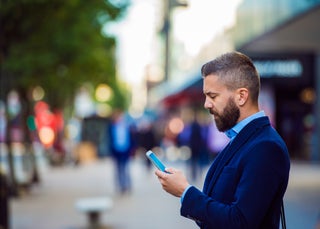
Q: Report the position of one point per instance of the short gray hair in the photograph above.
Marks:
(235, 70)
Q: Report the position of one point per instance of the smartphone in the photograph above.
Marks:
(156, 161)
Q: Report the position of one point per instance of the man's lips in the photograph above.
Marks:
(213, 113)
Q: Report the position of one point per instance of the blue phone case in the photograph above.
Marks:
(156, 161)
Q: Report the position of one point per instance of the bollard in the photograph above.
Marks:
(4, 205)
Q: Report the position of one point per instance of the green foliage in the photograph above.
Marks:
(58, 45)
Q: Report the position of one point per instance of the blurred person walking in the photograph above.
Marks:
(245, 185)
(121, 147)
(146, 139)
(4, 201)
(192, 137)
(317, 226)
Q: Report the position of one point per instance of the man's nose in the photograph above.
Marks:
(207, 104)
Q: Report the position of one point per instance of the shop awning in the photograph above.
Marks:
(300, 34)
(188, 92)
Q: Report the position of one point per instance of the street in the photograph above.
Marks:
(51, 203)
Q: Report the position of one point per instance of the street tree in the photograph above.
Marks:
(57, 45)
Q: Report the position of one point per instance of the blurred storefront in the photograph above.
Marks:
(284, 42)
(283, 39)
(289, 78)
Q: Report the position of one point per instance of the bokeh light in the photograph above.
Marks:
(104, 110)
(38, 93)
(46, 136)
(31, 123)
(308, 95)
(103, 93)
(176, 125)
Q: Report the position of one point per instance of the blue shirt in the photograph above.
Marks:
(232, 133)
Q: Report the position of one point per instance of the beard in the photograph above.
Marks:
(228, 118)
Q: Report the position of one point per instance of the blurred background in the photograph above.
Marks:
(73, 71)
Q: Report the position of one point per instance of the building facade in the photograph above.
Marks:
(283, 39)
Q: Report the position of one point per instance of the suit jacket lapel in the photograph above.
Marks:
(226, 155)
(213, 168)
(230, 150)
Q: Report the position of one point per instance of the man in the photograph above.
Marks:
(121, 146)
(245, 185)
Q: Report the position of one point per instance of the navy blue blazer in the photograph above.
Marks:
(245, 185)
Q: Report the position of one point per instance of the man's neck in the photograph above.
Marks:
(245, 113)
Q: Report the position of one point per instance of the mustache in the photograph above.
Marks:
(213, 112)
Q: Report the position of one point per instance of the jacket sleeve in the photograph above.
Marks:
(205, 210)
(261, 170)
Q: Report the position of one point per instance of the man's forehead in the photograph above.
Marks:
(211, 83)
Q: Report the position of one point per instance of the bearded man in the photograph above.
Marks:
(245, 185)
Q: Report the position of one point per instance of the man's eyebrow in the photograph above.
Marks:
(210, 93)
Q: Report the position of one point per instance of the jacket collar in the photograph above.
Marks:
(231, 149)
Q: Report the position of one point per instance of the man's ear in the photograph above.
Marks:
(242, 96)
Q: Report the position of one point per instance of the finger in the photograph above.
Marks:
(160, 174)
(171, 170)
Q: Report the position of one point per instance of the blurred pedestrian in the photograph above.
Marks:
(4, 201)
(245, 185)
(146, 139)
(196, 144)
(317, 226)
(192, 137)
(121, 147)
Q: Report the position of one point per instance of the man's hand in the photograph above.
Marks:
(173, 182)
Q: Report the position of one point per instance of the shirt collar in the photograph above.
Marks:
(232, 133)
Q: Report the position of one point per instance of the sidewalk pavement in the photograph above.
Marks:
(302, 199)
(51, 204)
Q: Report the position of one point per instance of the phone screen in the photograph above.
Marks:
(155, 160)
